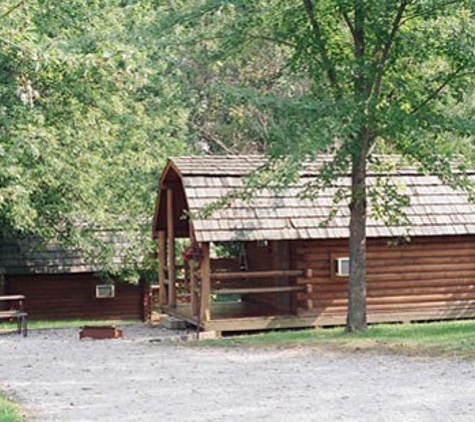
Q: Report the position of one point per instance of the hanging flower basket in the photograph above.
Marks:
(192, 256)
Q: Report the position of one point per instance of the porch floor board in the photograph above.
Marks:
(242, 316)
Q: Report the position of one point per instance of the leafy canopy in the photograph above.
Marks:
(83, 132)
(402, 68)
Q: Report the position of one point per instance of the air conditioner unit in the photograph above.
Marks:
(105, 291)
(343, 267)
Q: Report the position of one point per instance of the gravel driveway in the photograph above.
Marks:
(59, 378)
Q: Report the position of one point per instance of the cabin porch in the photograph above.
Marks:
(242, 316)
(255, 289)
(219, 296)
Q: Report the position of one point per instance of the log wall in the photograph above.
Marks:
(73, 296)
(426, 279)
(260, 258)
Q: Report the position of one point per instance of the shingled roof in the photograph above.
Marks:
(435, 210)
(22, 255)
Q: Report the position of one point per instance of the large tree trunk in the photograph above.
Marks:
(356, 317)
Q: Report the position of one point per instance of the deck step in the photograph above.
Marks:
(172, 323)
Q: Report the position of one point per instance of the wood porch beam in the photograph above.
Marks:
(281, 261)
(258, 274)
(205, 313)
(162, 258)
(193, 282)
(171, 250)
(276, 289)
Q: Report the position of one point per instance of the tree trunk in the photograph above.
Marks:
(356, 317)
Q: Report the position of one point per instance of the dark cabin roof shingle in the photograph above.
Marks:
(22, 255)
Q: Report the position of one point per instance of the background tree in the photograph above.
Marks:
(83, 134)
(385, 74)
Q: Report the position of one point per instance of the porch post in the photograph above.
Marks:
(162, 263)
(171, 250)
(281, 261)
(205, 283)
(193, 285)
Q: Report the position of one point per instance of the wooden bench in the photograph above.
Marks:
(15, 311)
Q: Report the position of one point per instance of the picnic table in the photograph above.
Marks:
(13, 307)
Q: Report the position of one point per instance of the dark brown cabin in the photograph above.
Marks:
(59, 283)
(290, 270)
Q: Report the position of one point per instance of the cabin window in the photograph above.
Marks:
(339, 266)
(105, 291)
(342, 267)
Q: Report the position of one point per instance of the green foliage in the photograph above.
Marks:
(9, 411)
(83, 133)
(347, 78)
(317, 84)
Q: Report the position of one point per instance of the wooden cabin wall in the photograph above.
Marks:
(73, 296)
(269, 256)
(428, 278)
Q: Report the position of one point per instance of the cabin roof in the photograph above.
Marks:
(435, 210)
(24, 255)
(19, 256)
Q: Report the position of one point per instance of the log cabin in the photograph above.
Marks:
(59, 283)
(290, 263)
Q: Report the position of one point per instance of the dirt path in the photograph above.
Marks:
(59, 378)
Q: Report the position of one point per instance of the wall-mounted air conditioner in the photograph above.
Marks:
(105, 291)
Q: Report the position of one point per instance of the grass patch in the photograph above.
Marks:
(453, 338)
(66, 323)
(9, 411)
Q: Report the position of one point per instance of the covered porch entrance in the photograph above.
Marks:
(254, 289)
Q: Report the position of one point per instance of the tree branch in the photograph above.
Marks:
(387, 48)
(210, 137)
(362, 83)
(429, 12)
(350, 25)
(12, 9)
(439, 89)
(326, 62)
(359, 31)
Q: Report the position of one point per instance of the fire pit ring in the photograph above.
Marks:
(100, 332)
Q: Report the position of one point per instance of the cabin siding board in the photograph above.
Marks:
(435, 275)
(259, 257)
(73, 296)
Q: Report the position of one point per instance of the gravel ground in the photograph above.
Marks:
(57, 377)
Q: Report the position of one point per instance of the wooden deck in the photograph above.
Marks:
(241, 316)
